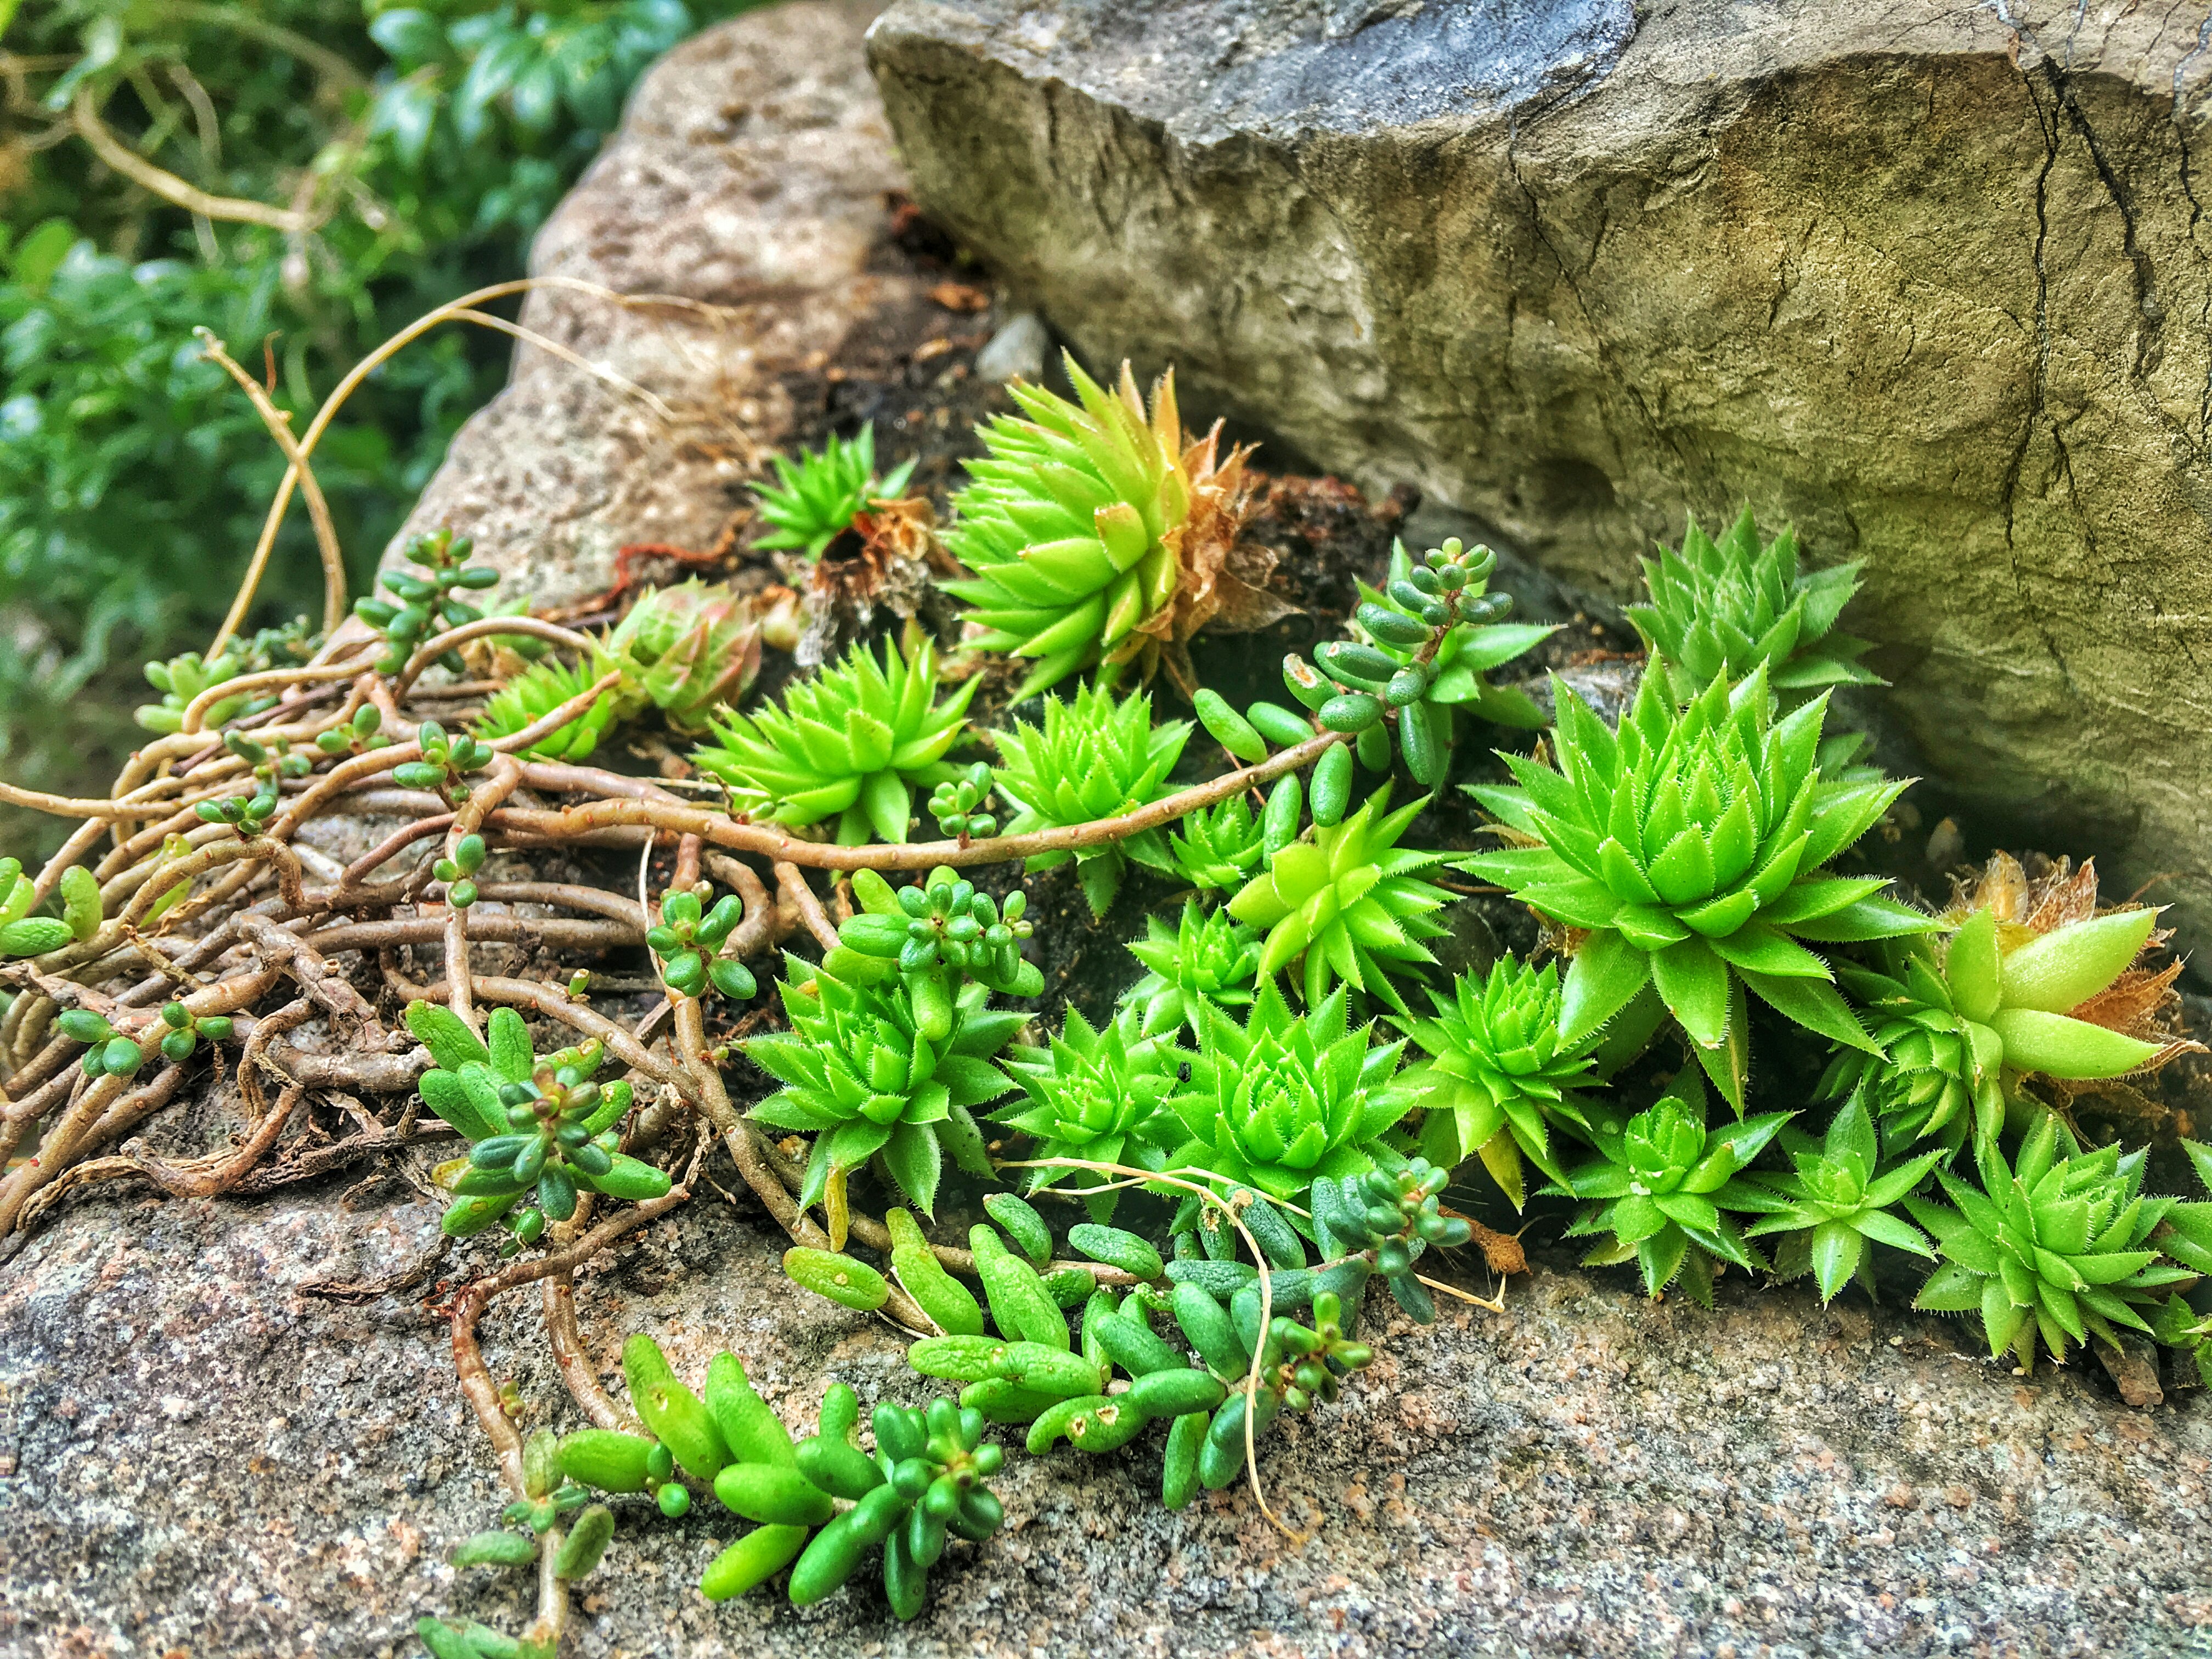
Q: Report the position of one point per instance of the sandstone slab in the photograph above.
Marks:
(1927, 277)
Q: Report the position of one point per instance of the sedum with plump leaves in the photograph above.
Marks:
(849, 744)
(859, 1077)
(1349, 904)
(1962, 1024)
(1094, 1093)
(1497, 1075)
(1690, 847)
(1091, 758)
(1726, 607)
(1283, 1097)
(1661, 1185)
(2055, 1247)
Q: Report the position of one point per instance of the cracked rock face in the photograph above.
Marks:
(1925, 278)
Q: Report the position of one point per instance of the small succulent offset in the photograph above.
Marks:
(1837, 1201)
(458, 871)
(247, 814)
(1427, 639)
(1498, 1075)
(547, 1499)
(1217, 848)
(1396, 1212)
(1093, 1093)
(536, 692)
(687, 651)
(1658, 1187)
(1285, 1098)
(934, 937)
(22, 934)
(2056, 1245)
(817, 497)
(1961, 1027)
(1351, 903)
(858, 1076)
(1091, 758)
(531, 1122)
(848, 744)
(687, 939)
(428, 595)
(1690, 845)
(1096, 534)
(357, 736)
(1724, 608)
(1210, 958)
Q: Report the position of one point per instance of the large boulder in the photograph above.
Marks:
(1924, 276)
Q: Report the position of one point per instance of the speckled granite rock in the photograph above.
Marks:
(210, 1460)
(201, 1454)
(1927, 277)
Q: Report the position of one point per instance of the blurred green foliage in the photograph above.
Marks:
(369, 162)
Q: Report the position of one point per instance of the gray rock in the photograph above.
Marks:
(1016, 351)
(1924, 276)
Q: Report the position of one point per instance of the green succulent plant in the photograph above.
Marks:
(934, 937)
(1095, 1093)
(816, 498)
(427, 600)
(1425, 641)
(1350, 901)
(182, 679)
(688, 941)
(1218, 846)
(1691, 845)
(536, 692)
(1091, 758)
(2055, 1246)
(1660, 1185)
(688, 651)
(1067, 525)
(531, 1124)
(1283, 1097)
(858, 1076)
(1723, 608)
(1210, 957)
(1394, 1212)
(850, 743)
(1962, 1024)
(1837, 1200)
(1498, 1075)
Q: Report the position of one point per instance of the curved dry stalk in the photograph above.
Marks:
(84, 113)
(196, 711)
(430, 650)
(319, 510)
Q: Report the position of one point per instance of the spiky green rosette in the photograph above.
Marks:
(685, 650)
(1726, 607)
(1091, 758)
(1690, 847)
(1218, 848)
(1837, 1201)
(1962, 1024)
(1350, 901)
(2056, 1245)
(860, 1079)
(1284, 1097)
(1497, 1074)
(849, 743)
(817, 497)
(1068, 527)
(1658, 1188)
(1094, 1094)
(536, 692)
(1208, 958)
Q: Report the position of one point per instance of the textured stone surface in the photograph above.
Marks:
(1925, 276)
(201, 1454)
